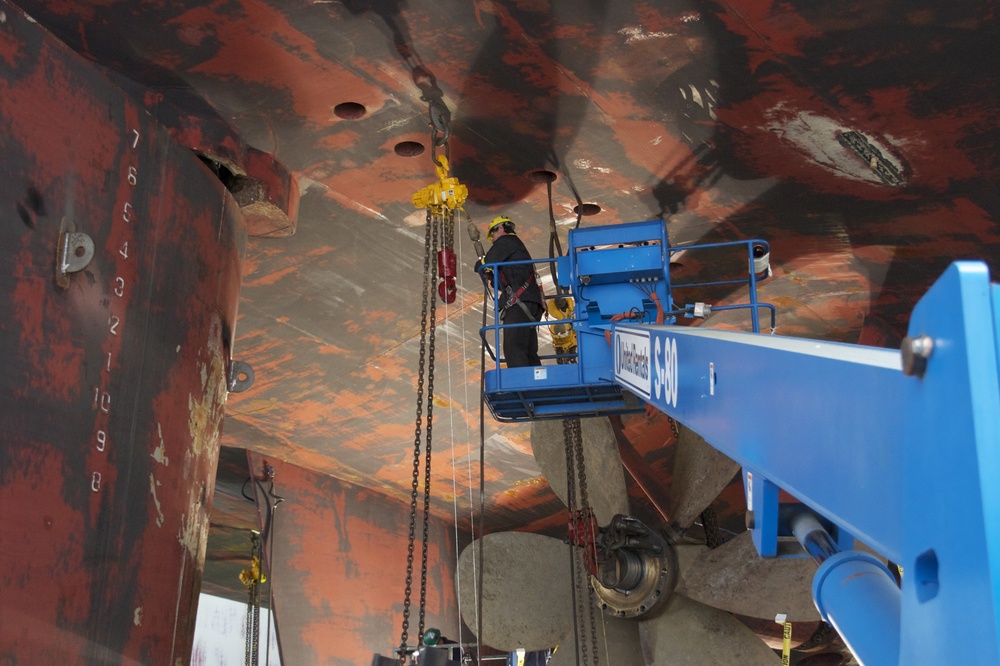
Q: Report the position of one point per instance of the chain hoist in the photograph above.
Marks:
(563, 334)
(441, 200)
(252, 579)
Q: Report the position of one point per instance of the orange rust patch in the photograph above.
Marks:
(271, 278)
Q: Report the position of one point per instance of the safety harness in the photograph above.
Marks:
(512, 296)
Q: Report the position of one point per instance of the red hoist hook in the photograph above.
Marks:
(441, 199)
(447, 267)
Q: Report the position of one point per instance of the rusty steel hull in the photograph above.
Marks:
(338, 554)
(114, 382)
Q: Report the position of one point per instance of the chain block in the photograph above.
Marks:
(447, 193)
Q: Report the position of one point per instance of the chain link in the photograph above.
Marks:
(421, 364)
(253, 603)
(435, 223)
(577, 435)
(710, 523)
(579, 503)
(438, 232)
(438, 229)
(255, 648)
(250, 628)
(576, 567)
(674, 429)
(440, 118)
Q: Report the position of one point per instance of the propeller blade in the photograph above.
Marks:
(563, 656)
(527, 594)
(527, 601)
(617, 644)
(735, 578)
(606, 490)
(688, 633)
(701, 472)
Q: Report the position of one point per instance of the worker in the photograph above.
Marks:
(520, 297)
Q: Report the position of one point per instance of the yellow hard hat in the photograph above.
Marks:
(497, 221)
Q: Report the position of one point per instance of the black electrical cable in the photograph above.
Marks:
(555, 248)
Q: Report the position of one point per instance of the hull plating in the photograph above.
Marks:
(114, 384)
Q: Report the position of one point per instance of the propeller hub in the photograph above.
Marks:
(623, 572)
(634, 583)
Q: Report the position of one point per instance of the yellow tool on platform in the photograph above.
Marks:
(563, 335)
(446, 193)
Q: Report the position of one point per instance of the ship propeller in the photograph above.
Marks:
(527, 583)
(527, 603)
(701, 472)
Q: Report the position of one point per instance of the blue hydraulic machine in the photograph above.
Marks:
(899, 449)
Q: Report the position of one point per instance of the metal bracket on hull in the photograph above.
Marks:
(73, 252)
(240, 377)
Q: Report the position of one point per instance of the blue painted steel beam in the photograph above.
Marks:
(782, 407)
(909, 464)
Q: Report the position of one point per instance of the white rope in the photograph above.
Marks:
(468, 457)
(469, 477)
(454, 478)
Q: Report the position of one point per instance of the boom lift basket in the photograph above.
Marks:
(613, 273)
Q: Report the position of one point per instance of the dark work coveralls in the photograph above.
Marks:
(520, 345)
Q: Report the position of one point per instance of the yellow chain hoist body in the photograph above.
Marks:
(563, 335)
(254, 574)
(446, 193)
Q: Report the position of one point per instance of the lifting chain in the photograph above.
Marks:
(428, 315)
(447, 193)
(448, 229)
(430, 413)
(710, 523)
(581, 524)
(576, 567)
(252, 578)
(440, 199)
(585, 506)
(674, 429)
(709, 518)
(440, 118)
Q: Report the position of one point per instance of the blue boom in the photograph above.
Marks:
(900, 449)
